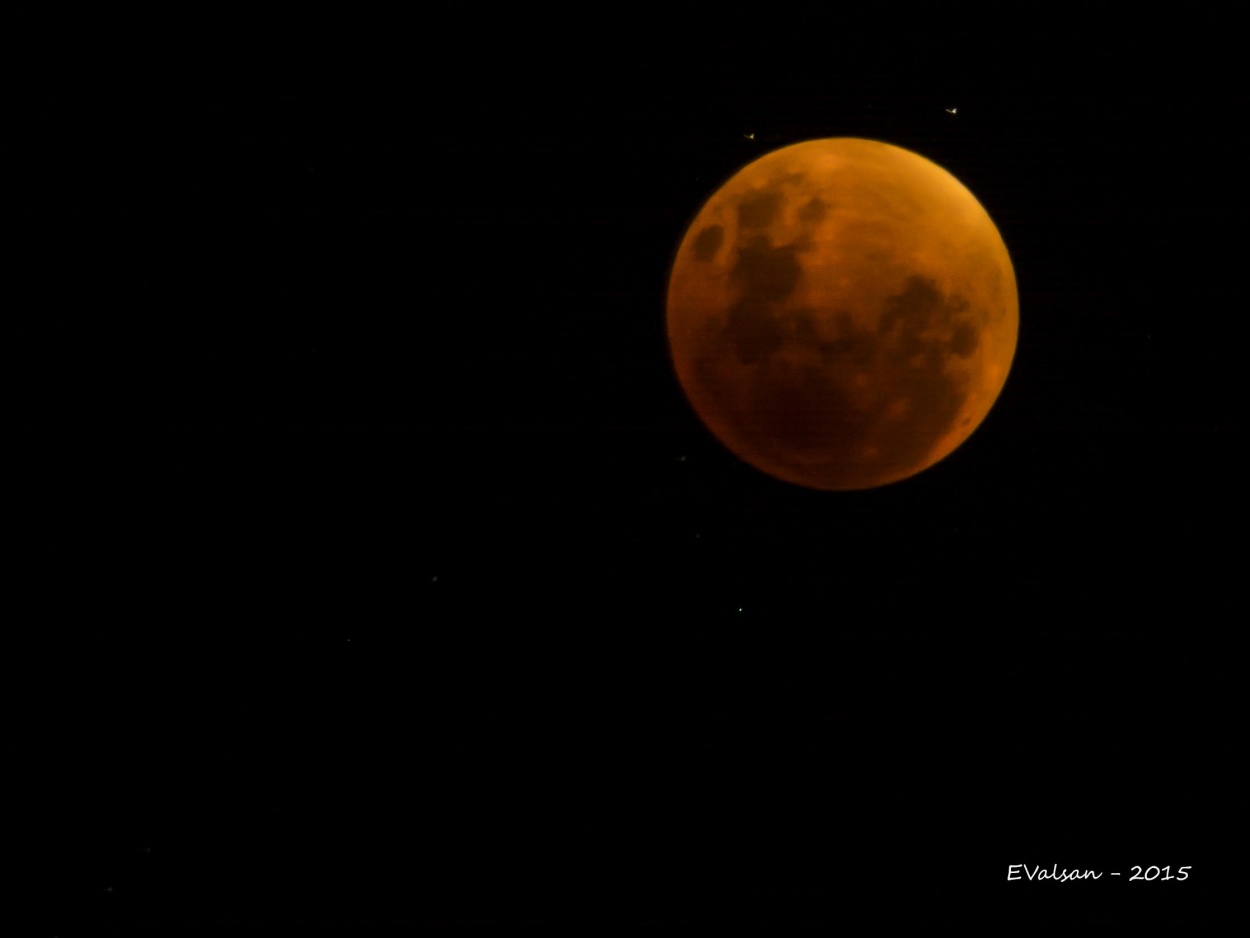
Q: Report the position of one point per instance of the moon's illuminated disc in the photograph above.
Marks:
(842, 313)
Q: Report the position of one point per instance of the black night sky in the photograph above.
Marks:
(375, 569)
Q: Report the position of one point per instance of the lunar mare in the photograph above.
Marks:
(842, 313)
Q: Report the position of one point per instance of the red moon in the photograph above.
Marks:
(842, 313)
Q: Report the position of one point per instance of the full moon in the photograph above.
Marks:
(842, 313)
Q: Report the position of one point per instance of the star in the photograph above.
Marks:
(951, 110)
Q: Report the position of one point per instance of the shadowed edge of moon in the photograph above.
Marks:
(807, 420)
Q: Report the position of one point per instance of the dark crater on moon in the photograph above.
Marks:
(759, 209)
(814, 210)
(707, 242)
(765, 275)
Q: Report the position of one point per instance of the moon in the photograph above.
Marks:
(842, 313)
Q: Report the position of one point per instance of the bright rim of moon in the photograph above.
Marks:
(842, 313)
